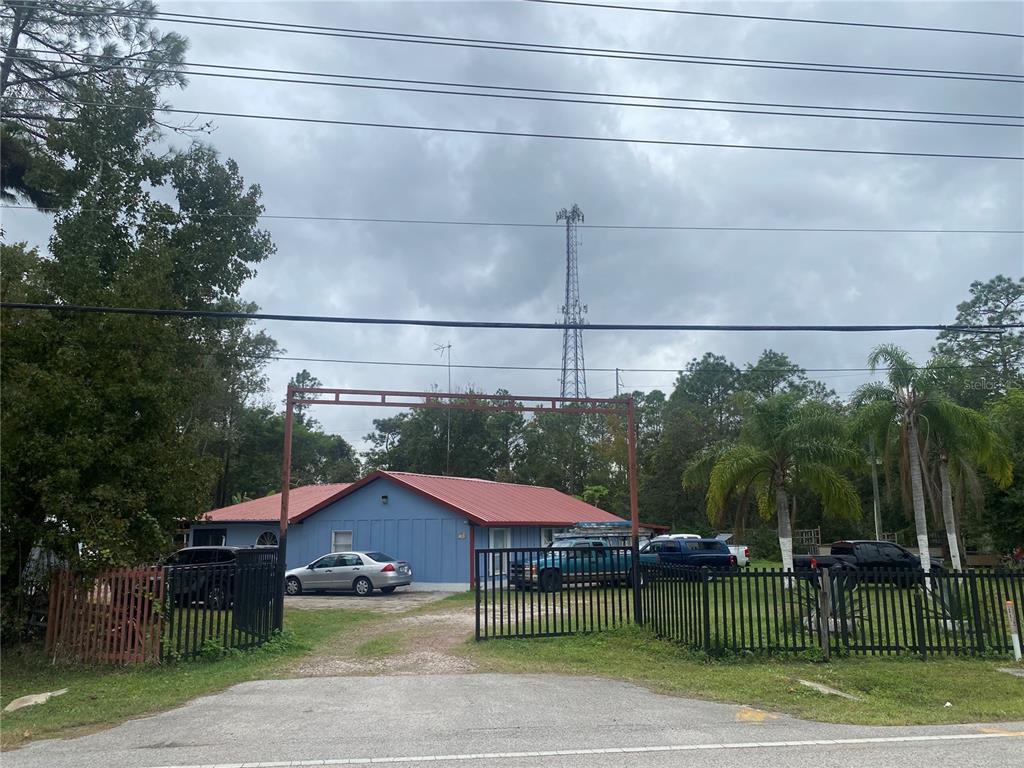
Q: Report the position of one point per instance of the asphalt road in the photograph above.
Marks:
(502, 720)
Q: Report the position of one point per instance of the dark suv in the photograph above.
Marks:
(193, 576)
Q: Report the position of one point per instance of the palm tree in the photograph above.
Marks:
(964, 439)
(912, 412)
(783, 443)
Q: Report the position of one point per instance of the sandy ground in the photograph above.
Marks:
(397, 602)
(420, 644)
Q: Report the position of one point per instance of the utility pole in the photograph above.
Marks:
(574, 374)
(447, 348)
(618, 382)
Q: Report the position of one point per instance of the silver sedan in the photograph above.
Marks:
(361, 572)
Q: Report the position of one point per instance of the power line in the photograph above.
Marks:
(531, 135)
(592, 369)
(559, 97)
(492, 324)
(614, 53)
(600, 94)
(544, 225)
(831, 22)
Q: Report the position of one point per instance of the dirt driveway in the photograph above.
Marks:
(417, 636)
(396, 602)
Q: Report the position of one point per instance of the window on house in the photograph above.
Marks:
(209, 537)
(267, 539)
(341, 541)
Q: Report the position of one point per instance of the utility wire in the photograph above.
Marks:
(549, 99)
(599, 94)
(531, 135)
(832, 22)
(614, 53)
(539, 225)
(544, 368)
(492, 324)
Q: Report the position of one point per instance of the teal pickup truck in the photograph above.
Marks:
(580, 561)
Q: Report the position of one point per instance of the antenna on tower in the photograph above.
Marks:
(574, 373)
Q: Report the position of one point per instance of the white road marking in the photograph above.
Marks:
(343, 761)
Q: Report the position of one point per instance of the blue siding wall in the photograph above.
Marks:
(408, 527)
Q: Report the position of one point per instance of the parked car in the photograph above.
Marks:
(361, 572)
(865, 556)
(680, 550)
(582, 560)
(213, 587)
(741, 552)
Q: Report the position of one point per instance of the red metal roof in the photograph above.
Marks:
(301, 501)
(482, 501)
(490, 503)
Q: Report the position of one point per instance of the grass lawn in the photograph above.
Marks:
(891, 691)
(100, 696)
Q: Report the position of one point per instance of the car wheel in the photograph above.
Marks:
(362, 586)
(551, 581)
(387, 590)
(293, 586)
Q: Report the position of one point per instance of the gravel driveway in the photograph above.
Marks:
(397, 602)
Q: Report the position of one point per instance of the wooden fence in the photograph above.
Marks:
(113, 617)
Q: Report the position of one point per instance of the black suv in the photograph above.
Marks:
(193, 576)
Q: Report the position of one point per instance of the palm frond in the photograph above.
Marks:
(902, 372)
(736, 468)
(839, 498)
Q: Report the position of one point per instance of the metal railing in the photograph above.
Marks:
(528, 592)
(863, 612)
(540, 592)
(210, 608)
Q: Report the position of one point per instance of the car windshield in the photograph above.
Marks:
(565, 544)
(380, 557)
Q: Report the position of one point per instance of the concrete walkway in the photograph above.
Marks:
(501, 720)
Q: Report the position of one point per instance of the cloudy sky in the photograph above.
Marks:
(502, 273)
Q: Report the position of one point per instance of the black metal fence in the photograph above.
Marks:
(213, 607)
(544, 592)
(534, 592)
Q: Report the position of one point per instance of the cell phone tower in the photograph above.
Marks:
(574, 372)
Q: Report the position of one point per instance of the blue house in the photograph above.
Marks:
(433, 522)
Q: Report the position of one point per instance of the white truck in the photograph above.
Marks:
(741, 552)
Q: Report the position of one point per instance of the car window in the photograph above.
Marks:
(671, 546)
(380, 557)
(328, 561)
(655, 546)
(224, 556)
(842, 548)
(350, 560)
(203, 556)
(184, 557)
(868, 552)
(892, 553)
(598, 545)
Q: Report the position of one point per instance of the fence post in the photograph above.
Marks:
(979, 630)
(476, 589)
(1011, 619)
(705, 611)
(638, 610)
(922, 641)
(824, 611)
(51, 613)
